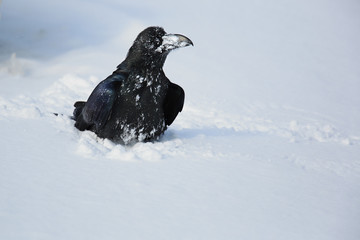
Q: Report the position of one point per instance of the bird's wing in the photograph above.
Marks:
(99, 106)
(173, 103)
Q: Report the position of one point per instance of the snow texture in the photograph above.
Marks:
(267, 145)
(171, 41)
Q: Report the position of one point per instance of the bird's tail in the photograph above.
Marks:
(78, 109)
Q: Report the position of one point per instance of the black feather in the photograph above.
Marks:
(174, 102)
(137, 102)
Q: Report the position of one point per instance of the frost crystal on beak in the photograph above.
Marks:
(172, 41)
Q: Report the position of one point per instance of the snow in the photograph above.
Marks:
(266, 147)
(172, 41)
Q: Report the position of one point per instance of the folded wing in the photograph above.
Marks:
(174, 102)
(95, 113)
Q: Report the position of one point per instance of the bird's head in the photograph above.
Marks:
(152, 45)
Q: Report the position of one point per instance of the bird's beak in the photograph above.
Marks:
(173, 41)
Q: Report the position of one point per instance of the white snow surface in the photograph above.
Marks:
(266, 147)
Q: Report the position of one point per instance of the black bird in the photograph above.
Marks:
(137, 101)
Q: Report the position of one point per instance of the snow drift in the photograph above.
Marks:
(266, 147)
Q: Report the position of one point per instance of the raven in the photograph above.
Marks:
(137, 101)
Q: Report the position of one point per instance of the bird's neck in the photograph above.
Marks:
(138, 61)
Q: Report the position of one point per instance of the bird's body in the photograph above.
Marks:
(137, 102)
